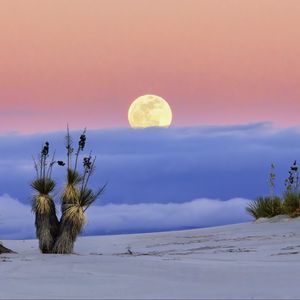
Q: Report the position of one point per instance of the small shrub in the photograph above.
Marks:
(265, 207)
(291, 204)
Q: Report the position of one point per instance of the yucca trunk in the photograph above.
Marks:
(71, 224)
(46, 222)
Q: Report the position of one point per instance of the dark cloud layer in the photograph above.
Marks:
(164, 165)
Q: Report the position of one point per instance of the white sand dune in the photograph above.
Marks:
(250, 260)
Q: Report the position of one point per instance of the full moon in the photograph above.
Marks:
(149, 111)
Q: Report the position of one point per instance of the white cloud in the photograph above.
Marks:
(17, 220)
(113, 218)
(142, 165)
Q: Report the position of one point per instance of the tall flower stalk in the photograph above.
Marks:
(291, 196)
(292, 182)
(272, 177)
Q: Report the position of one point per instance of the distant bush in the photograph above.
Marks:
(265, 207)
(291, 204)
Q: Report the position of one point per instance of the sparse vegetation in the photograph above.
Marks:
(291, 204)
(291, 196)
(59, 236)
(272, 178)
(267, 207)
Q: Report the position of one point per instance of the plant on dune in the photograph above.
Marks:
(291, 196)
(76, 197)
(265, 207)
(43, 206)
(271, 181)
(291, 204)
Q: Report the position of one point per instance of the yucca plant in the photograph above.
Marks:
(267, 207)
(55, 236)
(76, 197)
(43, 206)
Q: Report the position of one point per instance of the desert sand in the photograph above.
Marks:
(245, 261)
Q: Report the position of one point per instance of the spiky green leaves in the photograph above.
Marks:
(265, 207)
(73, 177)
(88, 197)
(43, 185)
(291, 204)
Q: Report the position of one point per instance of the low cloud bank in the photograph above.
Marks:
(17, 220)
(165, 165)
(147, 217)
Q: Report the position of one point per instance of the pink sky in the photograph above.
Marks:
(84, 61)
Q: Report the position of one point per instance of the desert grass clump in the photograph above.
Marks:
(43, 206)
(265, 207)
(271, 206)
(291, 204)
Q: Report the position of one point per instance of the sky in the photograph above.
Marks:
(84, 61)
(229, 69)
